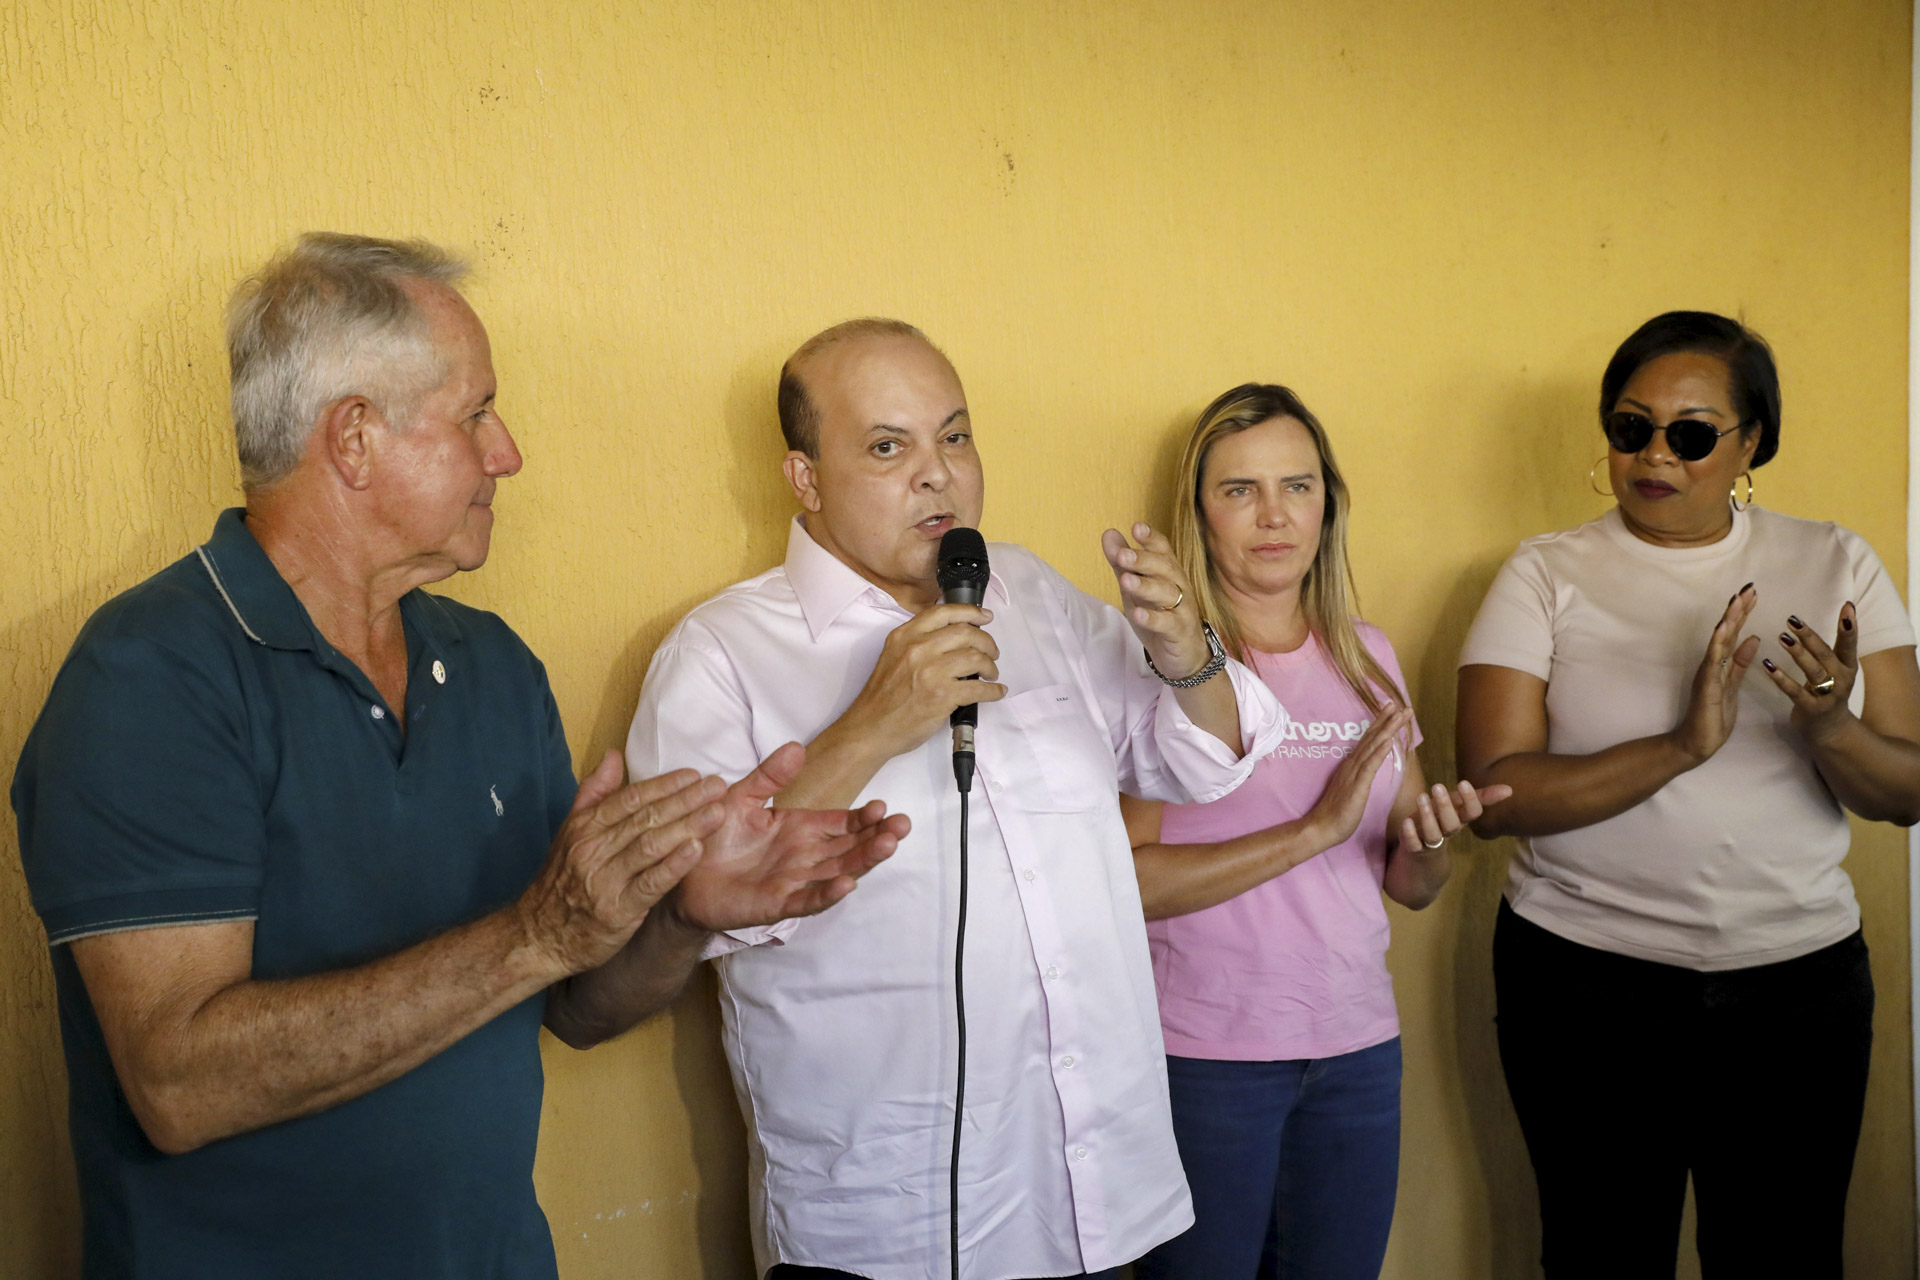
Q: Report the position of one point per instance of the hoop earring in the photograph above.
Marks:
(1739, 504)
(1593, 480)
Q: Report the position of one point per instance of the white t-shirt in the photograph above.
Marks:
(1736, 863)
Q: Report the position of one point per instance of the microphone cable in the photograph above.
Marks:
(961, 570)
(960, 1011)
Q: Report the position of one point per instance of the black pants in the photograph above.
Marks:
(1629, 1075)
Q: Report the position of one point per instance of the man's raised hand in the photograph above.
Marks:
(1156, 599)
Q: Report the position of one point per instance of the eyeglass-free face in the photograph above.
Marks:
(1690, 439)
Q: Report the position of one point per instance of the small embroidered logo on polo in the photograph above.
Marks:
(499, 810)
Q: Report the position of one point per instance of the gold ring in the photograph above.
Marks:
(1176, 604)
(1824, 687)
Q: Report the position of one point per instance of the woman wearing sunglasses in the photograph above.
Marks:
(1681, 980)
(1267, 932)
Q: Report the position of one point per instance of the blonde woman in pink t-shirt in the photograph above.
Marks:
(1265, 922)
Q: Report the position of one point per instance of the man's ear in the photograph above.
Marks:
(798, 468)
(345, 434)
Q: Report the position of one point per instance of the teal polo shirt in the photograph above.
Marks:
(206, 755)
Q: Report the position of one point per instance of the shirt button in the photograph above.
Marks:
(1067, 1062)
(994, 786)
(1053, 971)
(1027, 874)
(1080, 1153)
(439, 672)
(379, 713)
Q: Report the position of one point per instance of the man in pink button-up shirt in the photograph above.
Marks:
(840, 1028)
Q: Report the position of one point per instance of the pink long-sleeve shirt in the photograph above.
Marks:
(840, 1028)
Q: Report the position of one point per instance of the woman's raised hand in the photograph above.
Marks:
(1820, 704)
(1715, 702)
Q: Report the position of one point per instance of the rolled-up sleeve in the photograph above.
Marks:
(1202, 764)
(1160, 752)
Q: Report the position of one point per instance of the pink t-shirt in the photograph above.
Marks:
(1295, 967)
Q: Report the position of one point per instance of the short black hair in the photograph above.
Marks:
(1752, 379)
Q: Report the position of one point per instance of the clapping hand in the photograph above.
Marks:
(1441, 813)
(763, 865)
(621, 850)
(1343, 802)
(1715, 701)
(1436, 816)
(1819, 704)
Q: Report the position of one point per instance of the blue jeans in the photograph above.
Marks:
(1293, 1167)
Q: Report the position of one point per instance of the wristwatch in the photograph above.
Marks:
(1215, 662)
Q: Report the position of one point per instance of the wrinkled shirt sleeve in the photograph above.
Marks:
(1160, 752)
(693, 714)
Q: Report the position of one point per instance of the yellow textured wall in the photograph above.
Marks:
(1434, 218)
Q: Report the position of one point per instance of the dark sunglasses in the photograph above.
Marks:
(1690, 439)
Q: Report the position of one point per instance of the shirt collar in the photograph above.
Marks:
(825, 585)
(267, 608)
(260, 599)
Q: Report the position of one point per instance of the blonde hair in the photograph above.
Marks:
(329, 317)
(1327, 595)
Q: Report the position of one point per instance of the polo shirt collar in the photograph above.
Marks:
(259, 598)
(826, 586)
(267, 608)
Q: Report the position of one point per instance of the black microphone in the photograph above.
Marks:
(962, 573)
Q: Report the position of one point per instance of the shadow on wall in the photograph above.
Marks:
(1165, 471)
(1539, 452)
(40, 1182)
(188, 474)
(762, 499)
(762, 505)
(720, 1157)
(31, 1062)
(1513, 1206)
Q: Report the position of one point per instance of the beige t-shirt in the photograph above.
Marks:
(1733, 864)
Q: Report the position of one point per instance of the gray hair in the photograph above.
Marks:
(326, 319)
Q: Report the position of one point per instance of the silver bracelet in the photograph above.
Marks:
(1215, 664)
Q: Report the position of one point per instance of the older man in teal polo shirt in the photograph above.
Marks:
(307, 843)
